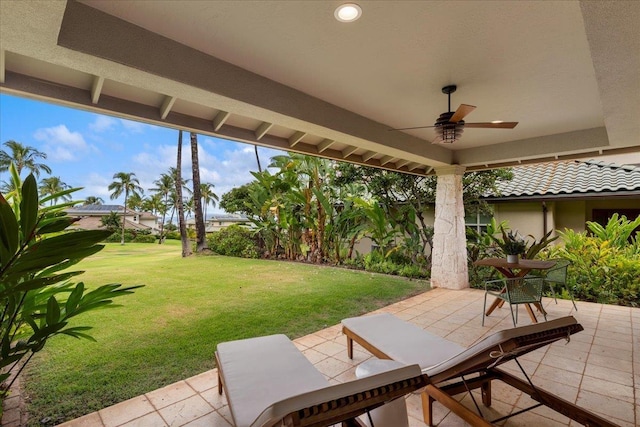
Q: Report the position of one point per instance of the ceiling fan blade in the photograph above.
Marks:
(489, 125)
(417, 127)
(461, 112)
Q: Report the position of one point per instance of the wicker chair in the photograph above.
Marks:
(515, 291)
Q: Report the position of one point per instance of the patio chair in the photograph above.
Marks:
(516, 291)
(451, 369)
(557, 275)
(268, 383)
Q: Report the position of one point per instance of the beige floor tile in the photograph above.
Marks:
(609, 374)
(89, 420)
(532, 419)
(311, 340)
(213, 398)
(210, 420)
(331, 348)
(559, 375)
(610, 362)
(606, 406)
(126, 411)
(613, 343)
(608, 388)
(626, 355)
(314, 356)
(185, 411)
(331, 367)
(204, 381)
(170, 394)
(563, 362)
(150, 420)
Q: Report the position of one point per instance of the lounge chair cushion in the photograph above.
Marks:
(402, 341)
(259, 372)
(442, 359)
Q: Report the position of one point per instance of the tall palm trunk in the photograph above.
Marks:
(186, 247)
(258, 158)
(201, 235)
(124, 215)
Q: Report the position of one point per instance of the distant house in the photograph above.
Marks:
(219, 222)
(565, 194)
(555, 196)
(90, 217)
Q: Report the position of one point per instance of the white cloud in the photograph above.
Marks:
(134, 127)
(224, 164)
(61, 144)
(103, 124)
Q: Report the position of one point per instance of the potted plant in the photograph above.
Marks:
(511, 244)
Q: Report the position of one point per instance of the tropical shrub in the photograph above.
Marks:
(605, 264)
(37, 295)
(234, 240)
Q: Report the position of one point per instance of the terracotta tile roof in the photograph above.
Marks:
(570, 177)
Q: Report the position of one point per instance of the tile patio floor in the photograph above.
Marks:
(599, 369)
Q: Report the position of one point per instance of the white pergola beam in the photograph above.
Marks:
(368, 156)
(262, 130)
(402, 163)
(325, 144)
(295, 138)
(96, 88)
(385, 159)
(167, 104)
(2, 65)
(348, 151)
(220, 119)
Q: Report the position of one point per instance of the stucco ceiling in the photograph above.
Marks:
(287, 74)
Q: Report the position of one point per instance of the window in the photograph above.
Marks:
(476, 219)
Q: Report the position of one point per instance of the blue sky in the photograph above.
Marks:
(85, 149)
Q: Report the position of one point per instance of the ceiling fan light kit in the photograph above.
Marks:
(450, 125)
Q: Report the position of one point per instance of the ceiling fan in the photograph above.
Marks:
(450, 125)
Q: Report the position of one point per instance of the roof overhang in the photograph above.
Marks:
(287, 75)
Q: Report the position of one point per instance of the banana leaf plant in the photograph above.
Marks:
(38, 299)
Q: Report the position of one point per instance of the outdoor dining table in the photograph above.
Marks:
(512, 270)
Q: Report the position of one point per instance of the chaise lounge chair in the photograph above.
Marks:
(443, 361)
(268, 382)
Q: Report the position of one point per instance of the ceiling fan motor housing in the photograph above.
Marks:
(447, 131)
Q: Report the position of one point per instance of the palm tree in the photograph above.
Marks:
(186, 248)
(163, 187)
(135, 201)
(23, 157)
(189, 207)
(208, 196)
(201, 236)
(52, 185)
(93, 200)
(126, 183)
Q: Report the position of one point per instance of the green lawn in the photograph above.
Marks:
(168, 330)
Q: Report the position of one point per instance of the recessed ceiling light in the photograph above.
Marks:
(497, 121)
(348, 12)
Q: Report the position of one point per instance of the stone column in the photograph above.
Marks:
(449, 253)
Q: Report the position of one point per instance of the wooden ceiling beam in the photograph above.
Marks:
(296, 137)
(262, 130)
(96, 88)
(220, 119)
(167, 104)
(348, 151)
(326, 143)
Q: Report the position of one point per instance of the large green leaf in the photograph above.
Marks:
(29, 208)
(53, 311)
(9, 232)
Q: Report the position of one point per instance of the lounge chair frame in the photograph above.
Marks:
(340, 403)
(440, 389)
